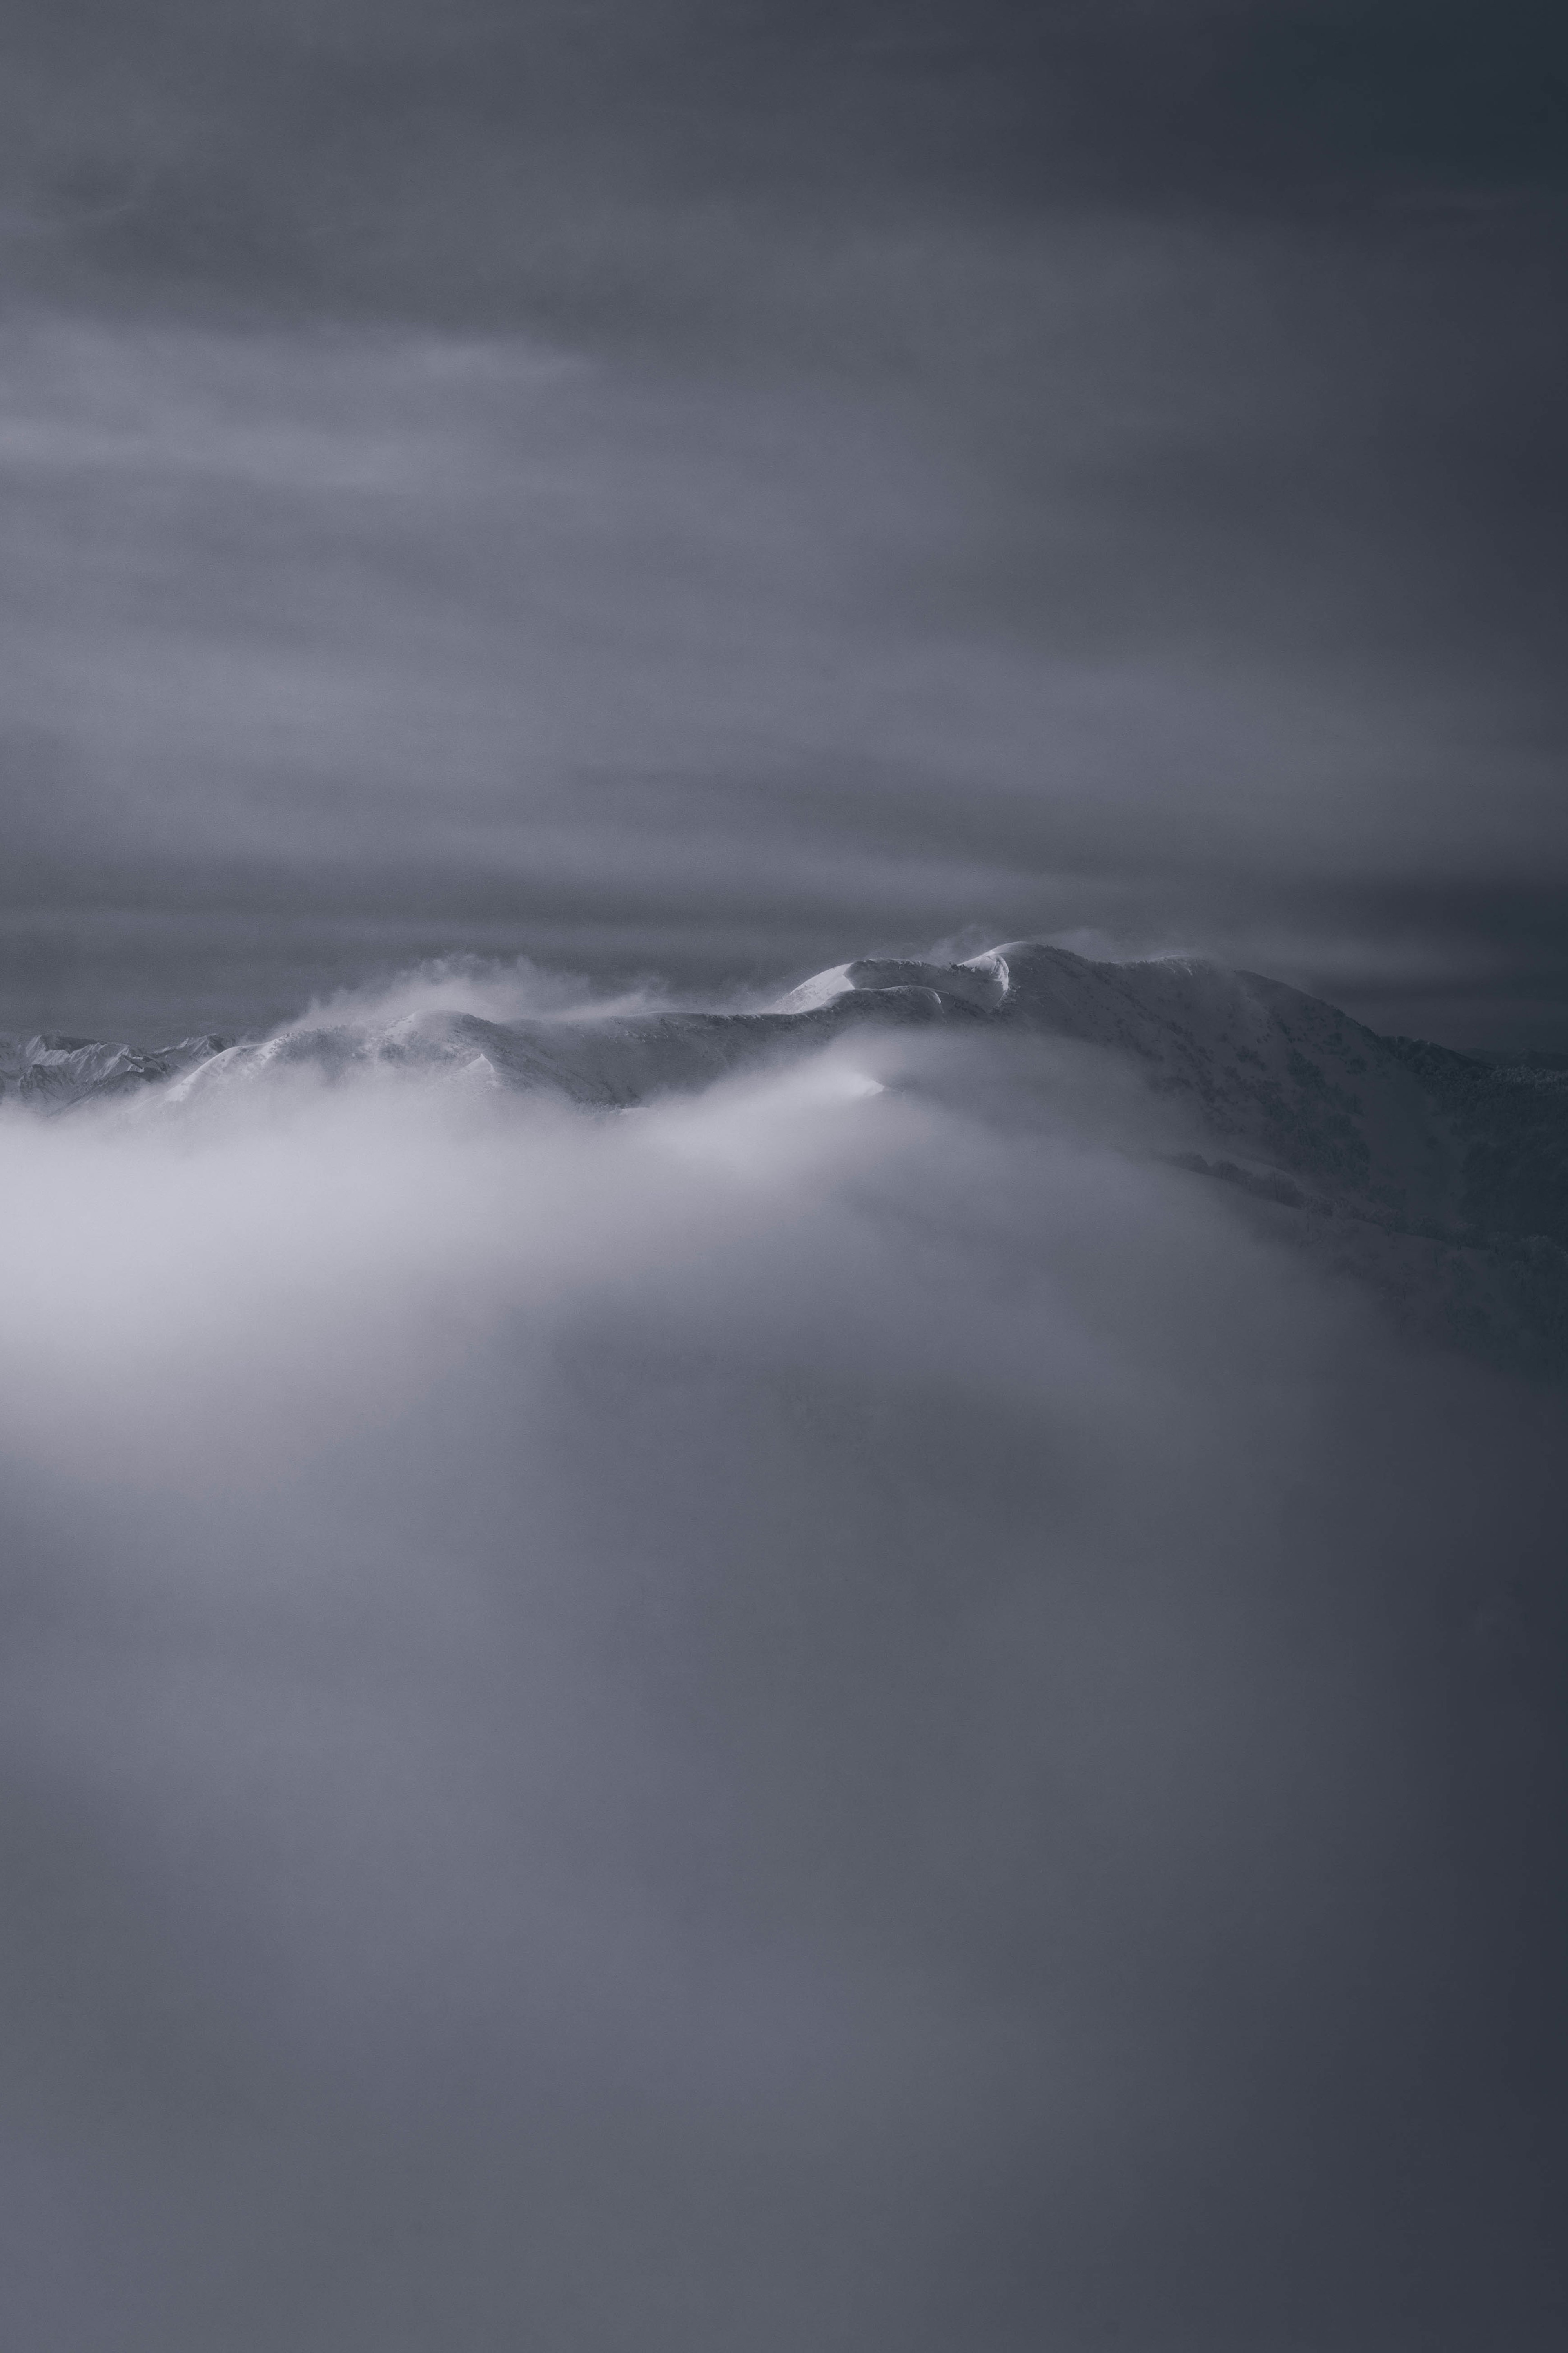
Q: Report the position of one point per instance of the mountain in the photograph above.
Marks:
(51, 1072)
(1437, 1179)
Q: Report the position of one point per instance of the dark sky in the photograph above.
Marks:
(718, 488)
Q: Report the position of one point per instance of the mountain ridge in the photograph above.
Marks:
(1418, 1168)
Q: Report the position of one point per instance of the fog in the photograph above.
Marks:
(834, 1711)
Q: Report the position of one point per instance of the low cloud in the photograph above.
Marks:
(832, 1710)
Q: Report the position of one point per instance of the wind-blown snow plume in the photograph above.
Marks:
(682, 1680)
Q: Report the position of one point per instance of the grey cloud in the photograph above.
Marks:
(1073, 418)
(378, 151)
(800, 1714)
(377, 613)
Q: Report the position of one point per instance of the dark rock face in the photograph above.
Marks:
(1438, 1180)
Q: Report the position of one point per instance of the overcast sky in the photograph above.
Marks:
(715, 486)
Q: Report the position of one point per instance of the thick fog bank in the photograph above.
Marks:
(840, 1710)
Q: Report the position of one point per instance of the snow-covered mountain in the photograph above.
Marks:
(51, 1072)
(1440, 1179)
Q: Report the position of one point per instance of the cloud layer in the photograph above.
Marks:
(715, 488)
(825, 1711)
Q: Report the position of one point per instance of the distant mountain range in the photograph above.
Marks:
(1437, 1178)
